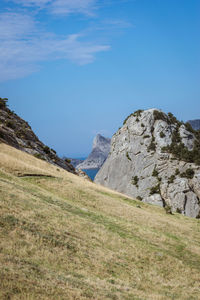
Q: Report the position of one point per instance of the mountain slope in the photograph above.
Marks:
(195, 124)
(62, 237)
(16, 132)
(156, 158)
(100, 150)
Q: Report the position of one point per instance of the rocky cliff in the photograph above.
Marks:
(16, 132)
(156, 159)
(100, 150)
(195, 124)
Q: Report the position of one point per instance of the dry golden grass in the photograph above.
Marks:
(63, 237)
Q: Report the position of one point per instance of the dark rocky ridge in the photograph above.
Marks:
(100, 151)
(195, 124)
(156, 159)
(17, 133)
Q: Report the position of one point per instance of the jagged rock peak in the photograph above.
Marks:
(155, 158)
(100, 150)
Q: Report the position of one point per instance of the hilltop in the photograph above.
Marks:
(63, 237)
(155, 158)
(16, 132)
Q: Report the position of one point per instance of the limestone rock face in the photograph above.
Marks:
(140, 166)
(100, 150)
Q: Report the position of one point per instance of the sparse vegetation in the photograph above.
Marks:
(47, 150)
(159, 115)
(63, 237)
(152, 146)
(136, 114)
(135, 180)
(3, 102)
(171, 179)
(189, 173)
(155, 189)
(155, 173)
(180, 151)
(162, 135)
(67, 160)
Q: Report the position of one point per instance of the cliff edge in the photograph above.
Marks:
(156, 159)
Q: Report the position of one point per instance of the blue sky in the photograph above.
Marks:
(75, 68)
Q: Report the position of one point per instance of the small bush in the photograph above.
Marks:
(177, 172)
(47, 150)
(142, 125)
(159, 115)
(139, 198)
(171, 179)
(135, 180)
(146, 136)
(155, 173)
(162, 135)
(152, 146)
(189, 173)
(155, 189)
(3, 103)
(67, 160)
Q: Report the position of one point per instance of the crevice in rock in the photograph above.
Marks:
(185, 202)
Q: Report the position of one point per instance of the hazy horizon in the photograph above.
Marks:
(74, 68)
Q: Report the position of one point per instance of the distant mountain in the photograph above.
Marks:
(76, 161)
(195, 124)
(156, 159)
(16, 132)
(100, 151)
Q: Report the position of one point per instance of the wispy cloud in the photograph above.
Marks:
(61, 7)
(23, 45)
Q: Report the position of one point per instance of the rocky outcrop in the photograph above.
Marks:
(156, 159)
(16, 132)
(100, 150)
(195, 124)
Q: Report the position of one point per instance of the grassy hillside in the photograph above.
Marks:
(62, 237)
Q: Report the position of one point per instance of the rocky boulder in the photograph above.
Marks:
(156, 159)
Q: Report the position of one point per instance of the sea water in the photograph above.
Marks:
(91, 172)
